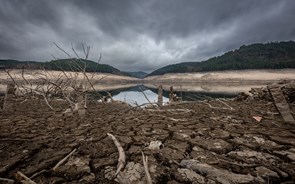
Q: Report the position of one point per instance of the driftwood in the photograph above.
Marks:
(172, 111)
(63, 160)
(146, 169)
(122, 156)
(228, 107)
(38, 173)
(23, 178)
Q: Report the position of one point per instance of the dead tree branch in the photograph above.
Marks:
(63, 160)
(23, 178)
(122, 156)
(146, 169)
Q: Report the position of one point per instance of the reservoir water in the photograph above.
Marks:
(138, 93)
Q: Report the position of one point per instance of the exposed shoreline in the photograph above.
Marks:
(227, 76)
(226, 81)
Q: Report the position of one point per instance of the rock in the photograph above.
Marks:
(155, 145)
(218, 146)
(266, 173)
(252, 156)
(220, 175)
(188, 175)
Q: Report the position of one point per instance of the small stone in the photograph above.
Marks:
(155, 145)
(218, 146)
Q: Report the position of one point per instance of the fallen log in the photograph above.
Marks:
(281, 103)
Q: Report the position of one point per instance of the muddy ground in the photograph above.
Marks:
(200, 144)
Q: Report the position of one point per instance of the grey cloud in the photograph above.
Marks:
(140, 34)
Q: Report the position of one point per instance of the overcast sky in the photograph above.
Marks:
(135, 35)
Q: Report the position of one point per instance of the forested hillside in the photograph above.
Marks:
(276, 55)
(62, 64)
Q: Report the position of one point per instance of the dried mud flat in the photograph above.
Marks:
(200, 144)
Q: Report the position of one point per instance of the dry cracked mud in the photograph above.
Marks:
(195, 143)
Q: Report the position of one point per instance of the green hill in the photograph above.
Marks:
(275, 55)
(139, 74)
(62, 64)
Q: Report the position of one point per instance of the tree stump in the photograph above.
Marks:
(9, 97)
(160, 95)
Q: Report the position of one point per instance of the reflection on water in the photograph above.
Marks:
(136, 97)
(187, 91)
(132, 93)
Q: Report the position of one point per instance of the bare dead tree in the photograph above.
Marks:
(71, 86)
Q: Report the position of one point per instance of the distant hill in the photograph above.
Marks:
(139, 74)
(275, 55)
(62, 64)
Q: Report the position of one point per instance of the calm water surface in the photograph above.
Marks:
(133, 94)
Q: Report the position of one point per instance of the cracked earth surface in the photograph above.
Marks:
(196, 143)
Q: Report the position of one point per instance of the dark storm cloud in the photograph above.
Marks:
(141, 34)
